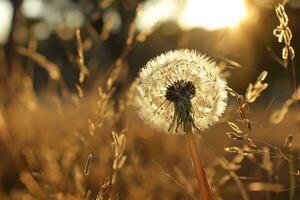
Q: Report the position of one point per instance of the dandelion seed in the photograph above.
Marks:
(180, 89)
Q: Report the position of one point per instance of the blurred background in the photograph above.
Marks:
(238, 30)
(48, 93)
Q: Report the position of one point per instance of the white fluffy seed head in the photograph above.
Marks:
(208, 103)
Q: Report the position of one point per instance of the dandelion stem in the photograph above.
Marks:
(203, 186)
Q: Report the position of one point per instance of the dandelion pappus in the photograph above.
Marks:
(179, 90)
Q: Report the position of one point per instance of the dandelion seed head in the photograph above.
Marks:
(180, 76)
(180, 90)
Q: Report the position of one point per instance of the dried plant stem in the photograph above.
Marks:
(294, 78)
(224, 163)
(204, 188)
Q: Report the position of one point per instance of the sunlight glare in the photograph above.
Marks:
(212, 14)
(154, 12)
(189, 14)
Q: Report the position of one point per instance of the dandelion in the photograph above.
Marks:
(179, 92)
(179, 89)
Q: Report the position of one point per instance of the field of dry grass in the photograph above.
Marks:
(86, 141)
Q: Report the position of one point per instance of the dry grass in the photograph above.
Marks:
(89, 144)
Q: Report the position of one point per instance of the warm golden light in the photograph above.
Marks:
(212, 14)
(208, 14)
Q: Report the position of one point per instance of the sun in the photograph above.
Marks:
(189, 14)
(212, 14)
